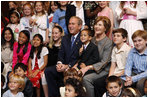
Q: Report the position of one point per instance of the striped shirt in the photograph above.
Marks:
(137, 64)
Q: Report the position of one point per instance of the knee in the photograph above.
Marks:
(87, 79)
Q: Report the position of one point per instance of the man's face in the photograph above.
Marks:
(73, 26)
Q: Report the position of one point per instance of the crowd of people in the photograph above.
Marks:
(74, 49)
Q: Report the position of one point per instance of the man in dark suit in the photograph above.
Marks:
(67, 57)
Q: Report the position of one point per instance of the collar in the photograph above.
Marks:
(74, 3)
(75, 35)
(135, 51)
(85, 46)
(123, 48)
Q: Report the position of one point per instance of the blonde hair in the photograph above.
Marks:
(30, 6)
(140, 33)
(51, 43)
(20, 80)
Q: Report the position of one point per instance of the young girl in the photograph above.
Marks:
(21, 49)
(14, 23)
(106, 11)
(74, 88)
(27, 11)
(52, 9)
(129, 12)
(39, 21)
(37, 62)
(59, 16)
(130, 92)
(7, 42)
(16, 85)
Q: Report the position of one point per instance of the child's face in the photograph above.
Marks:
(22, 39)
(7, 35)
(70, 91)
(56, 34)
(103, 4)
(53, 6)
(140, 43)
(12, 5)
(99, 28)
(85, 38)
(20, 72)
(118, 39)
(114, 88)
(36, 41)
(63, 3)
(27, 10)
(38, 7)
(13, 85)
(14, 19)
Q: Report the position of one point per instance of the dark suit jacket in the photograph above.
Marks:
(71, 11)
(90, 55)
(66, 54)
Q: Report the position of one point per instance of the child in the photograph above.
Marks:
(88, 52)
(74, 88)
(129, 12)
(119, 52)
(70, 73)
(16, 85)
(14, 23)
(21, 70)
(39, 21)
(7, 42)
(37, 62)
(21, 49)
(130, 92)
(106, 11)
(59, 16)
(27, 11)
(113, 86)
(136, 63)
(52, 9)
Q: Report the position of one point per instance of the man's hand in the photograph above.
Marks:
(128, 81)
(61, 67)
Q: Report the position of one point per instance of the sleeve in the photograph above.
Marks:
(5, 94)
(141, 10)
(105, 59)
(118, 11)
(113, 57)
(67, 14)
(42, 22)
(129, 64)
(139, 76)
(14, 61)
(27, 54)
(45, 51)
(55, 17)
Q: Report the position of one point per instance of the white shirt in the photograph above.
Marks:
(41, 60)
(120, 56)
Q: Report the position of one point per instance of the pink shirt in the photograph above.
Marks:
(20, 57)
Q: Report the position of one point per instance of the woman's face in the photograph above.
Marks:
(99, 28)
(56, 34)
(7, 35)
(36, 41)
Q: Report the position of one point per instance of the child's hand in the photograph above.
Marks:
(31, 21)
(81, 50)
(82, 65)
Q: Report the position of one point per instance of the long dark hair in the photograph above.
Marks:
(38, 48)
(50, 10)
(26, 32)
(3, 41)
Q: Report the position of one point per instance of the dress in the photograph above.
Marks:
(9, 94)
(130, 22)
(20, 57)
(16, 28)
(41, 26)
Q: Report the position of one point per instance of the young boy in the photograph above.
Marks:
(119, 52)
(88, 52)
(113, 86)
(136, 65)
(21, 70)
